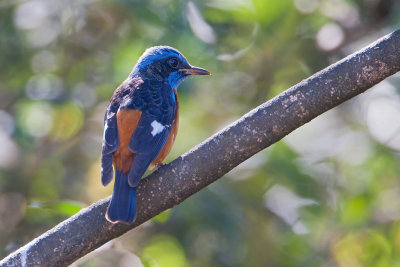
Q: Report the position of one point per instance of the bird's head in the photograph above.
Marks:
(167, 64)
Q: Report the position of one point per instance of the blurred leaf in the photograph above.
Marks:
(366, 248)
(68, 119)
(35, 215)
(65, 207)
(355, 211)
(269, 10)
(162, 217)
(163, 251)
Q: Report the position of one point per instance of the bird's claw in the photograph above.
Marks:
(159, 165)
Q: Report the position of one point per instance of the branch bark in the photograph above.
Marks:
(209, 161)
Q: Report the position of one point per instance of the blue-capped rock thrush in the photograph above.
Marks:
(140, 125)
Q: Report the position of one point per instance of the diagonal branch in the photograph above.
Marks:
(209, 161)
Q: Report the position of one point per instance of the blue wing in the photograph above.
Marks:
(110, 145)
(147, 141)
(152, 131)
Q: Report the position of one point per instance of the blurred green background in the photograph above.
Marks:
(326, 195)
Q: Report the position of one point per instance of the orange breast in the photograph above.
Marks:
(127, 121)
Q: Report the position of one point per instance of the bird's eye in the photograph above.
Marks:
(173, 62)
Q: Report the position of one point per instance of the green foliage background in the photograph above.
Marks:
(327, 195)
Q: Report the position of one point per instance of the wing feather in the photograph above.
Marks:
(147, 142)
(110, 145)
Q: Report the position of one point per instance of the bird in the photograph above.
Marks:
(141, 124)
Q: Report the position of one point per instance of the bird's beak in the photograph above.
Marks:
(195, 71)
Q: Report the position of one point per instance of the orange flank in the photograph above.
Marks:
(171, 138)
(127, 121)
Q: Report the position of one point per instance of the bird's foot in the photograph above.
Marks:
(159, 165)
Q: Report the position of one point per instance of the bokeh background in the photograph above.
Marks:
(326, 195)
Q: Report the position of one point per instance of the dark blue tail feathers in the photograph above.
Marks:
(123, 202)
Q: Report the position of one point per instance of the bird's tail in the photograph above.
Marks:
(122, 207)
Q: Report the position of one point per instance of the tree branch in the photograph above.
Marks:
(207, 162)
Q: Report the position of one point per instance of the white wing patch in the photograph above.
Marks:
(157, 128)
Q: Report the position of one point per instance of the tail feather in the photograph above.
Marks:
(122, 207)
